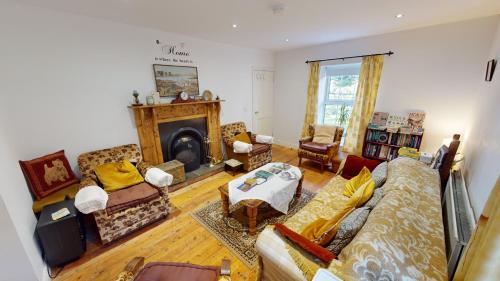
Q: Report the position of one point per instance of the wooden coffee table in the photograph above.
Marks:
(252, 205)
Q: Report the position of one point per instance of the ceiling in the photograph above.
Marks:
(302, 22)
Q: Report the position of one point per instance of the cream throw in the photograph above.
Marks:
(312, 98)
(324, 134)
(366, 95)
(481, 259)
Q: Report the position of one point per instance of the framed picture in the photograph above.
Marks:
(490, 69)
(171, 80)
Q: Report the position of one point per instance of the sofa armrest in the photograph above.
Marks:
(143, 167)
(275, 257)
(334, 147)
(131, 269)
(87, 181)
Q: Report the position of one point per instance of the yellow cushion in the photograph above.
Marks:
(362, 194)
(353, 184)
(118, 175)
(55, 197)
(243, 137)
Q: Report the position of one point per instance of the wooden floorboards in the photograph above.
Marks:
(180, 238)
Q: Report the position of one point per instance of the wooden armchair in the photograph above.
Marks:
(127, 209)
(169, 271)
(260, 155)
(323, 153)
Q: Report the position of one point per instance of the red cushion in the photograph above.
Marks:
(315, 147)
(170, 271)
(354, 164)
(48, 174)
(308, 246)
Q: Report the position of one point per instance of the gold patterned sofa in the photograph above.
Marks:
(402, 239)
(114, 222)
(323, 153)
(260, 155)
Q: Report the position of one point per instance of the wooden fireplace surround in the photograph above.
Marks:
(148, 117)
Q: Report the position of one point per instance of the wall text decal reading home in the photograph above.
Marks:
(176, 53)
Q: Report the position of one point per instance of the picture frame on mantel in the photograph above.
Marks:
(174, 79)
(490, 69)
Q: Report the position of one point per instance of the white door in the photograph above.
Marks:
(263, 97)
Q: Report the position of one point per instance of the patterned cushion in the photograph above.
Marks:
(377, 195)
(379, 174)
(48, 174)
(348, 228)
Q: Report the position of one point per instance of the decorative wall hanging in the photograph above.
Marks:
(490, 69)
(173, 79)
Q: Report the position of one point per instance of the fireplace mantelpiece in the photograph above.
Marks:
(147, 118)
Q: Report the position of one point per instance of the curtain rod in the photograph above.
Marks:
(343, 58)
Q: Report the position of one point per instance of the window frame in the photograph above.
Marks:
(351, 68)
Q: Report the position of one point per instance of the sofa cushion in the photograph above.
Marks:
(170, 271)
(243, 137)
(315, 147)
(379, 174)
(48, 174)
(129, 197)
(259, 148)
(324, 134)
(376, 197)
(354, 164)
(348, 228)
(356, 182)
(118, 175)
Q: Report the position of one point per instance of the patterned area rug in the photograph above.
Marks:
(233, 231)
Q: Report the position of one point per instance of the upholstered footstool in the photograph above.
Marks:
(171, 271)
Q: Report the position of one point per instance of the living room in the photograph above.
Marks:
(69, 71)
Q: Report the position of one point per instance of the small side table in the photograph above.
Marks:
(61, 240)
(233, 166)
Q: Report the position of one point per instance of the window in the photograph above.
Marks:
(340, 83)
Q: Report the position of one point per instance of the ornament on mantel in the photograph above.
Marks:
(136, 98)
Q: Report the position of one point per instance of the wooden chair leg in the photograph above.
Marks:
(322, 167)
(300, 161)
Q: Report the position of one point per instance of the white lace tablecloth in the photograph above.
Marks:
(276, 191)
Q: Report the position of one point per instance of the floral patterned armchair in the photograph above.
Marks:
(260, 155)
(114, 222)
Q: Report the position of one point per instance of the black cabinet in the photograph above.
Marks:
(62, 240)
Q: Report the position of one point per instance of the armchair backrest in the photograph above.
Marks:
(338, 132)
(230, 130)
(87, 162)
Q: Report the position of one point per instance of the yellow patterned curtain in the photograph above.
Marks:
(366, 95)
(312, 98)
(481, 259)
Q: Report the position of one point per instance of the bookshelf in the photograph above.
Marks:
(382, 145)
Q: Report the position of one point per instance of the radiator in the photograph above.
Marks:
(458, 219)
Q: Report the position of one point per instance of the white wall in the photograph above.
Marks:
(437, 69)
(482, 153)
(15, 264)
(20, 251)
(66, 81)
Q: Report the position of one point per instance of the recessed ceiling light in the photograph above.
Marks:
(235, 25)
(399, 16)
(286, 40)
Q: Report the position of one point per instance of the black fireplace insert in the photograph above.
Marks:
(184, 141)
